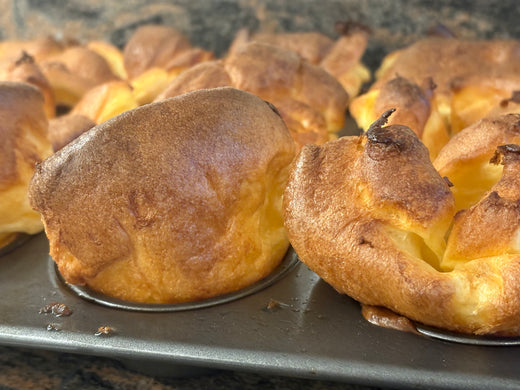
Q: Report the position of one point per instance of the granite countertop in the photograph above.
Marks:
(24, 369)
(212, 25)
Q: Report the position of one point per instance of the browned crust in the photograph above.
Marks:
(344, 244)
(412, 103)
(454, 63)
(209, 74)
(188, 58)
(21, 110)
(159, 187)
(415, 188)
(478, 142)
(302, 92)
(312, 46)
(352, 205)
(75, 71)
(23, 143)
(338, 57)
(152, 45)
(25, 69)
(40, 48)
(86, 64)
(346, 53)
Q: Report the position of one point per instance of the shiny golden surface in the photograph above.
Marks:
(174, 201)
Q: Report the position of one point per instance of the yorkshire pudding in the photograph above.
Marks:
(154, 55)
(370, 214)
(25, 69)
(24, 143)
(465, 159)
(311, 101)
(415, 107)
(174, 201)
(340, 57)
(152, 46)
(75, 71)
(476, 73)
(40, 48)
(106, 100)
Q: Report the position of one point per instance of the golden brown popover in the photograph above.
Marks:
(311, 101)
(74, 72)
(415, 107)
(40, 49)
(477, 72)
(154, 55)
(174, 201)
(371, 214)
(469, 105)
(152, 46)
(112, 55)
(341, 57)
(465, 159)
(24, 143)
(25, 69)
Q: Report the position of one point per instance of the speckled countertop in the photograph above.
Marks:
(212, 25)
(24, 369)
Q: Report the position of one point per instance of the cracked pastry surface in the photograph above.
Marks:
(371, 214)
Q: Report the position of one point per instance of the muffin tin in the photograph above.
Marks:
(291, 323)
(295, 325)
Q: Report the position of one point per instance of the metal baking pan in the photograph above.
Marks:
(297, 326)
